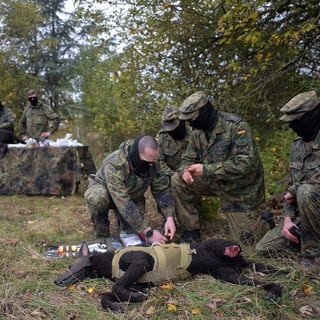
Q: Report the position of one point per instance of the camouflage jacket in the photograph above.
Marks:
(127, 188)
(37, 119)
(230, 158)
(172, 150)
(304, 168)
(6, 119)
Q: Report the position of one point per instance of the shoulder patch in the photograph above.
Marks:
(241, 131)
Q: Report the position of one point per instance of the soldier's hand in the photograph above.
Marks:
(45, 134)
(158, 237)
(196, 170)
(187, 177)
(287, 224)
(288, 197)
(170, 228)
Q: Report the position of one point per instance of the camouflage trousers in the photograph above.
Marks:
(308, 201)
(244, 225)
(99, 203)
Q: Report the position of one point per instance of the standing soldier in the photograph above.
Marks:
(38, 120)
(301, 224)
(222, 160)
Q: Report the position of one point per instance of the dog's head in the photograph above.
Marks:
(79, 270)
(227, 249)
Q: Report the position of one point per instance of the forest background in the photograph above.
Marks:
(109, 68)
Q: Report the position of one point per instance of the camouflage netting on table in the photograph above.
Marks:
(45, 170)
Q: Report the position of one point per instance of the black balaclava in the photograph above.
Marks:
(140, 166)
(308, 126)
(179, 132)
(33, 101)
(206, 119)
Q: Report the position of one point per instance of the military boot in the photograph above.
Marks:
(101, 226)
(101, 231)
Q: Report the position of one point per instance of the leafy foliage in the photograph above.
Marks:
(37, 49)
(126, 60)
(249, 56)
(275, 158)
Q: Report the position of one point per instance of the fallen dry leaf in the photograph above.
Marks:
(196, 310)
(171, 307)
(90, 289)
(150, 311)
(212, 305)
(306, 310)
(13, 241)
(307, 289)
(72, 287)
(247, 299)
(167, 286)
(40, 312)
(294, 292)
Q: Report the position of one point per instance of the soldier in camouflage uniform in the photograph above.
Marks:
(38, 120)
(6, 118)
(120, 185)
(302, 197)
(221, 160)
(173, 139)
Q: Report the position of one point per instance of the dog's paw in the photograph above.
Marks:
(274, 291)
(117, 307)
(137, 297)
(109, 301)
(123, 294)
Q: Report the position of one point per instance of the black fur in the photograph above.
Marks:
(7, 137)
(210, 258)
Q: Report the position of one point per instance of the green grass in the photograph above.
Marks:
(28, 224)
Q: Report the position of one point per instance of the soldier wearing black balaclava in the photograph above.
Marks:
(120, 185)
(206, 119)
(301, 224)
(38, 121)
(308, 126)
(221, 160)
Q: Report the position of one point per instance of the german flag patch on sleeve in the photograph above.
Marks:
(241, 131)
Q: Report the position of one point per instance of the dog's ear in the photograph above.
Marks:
(84, 250)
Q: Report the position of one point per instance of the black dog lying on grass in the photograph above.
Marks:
(221, 259)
